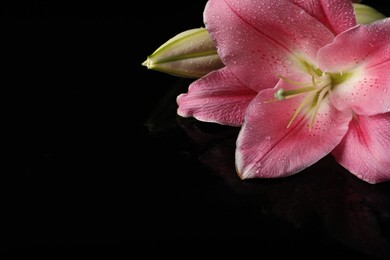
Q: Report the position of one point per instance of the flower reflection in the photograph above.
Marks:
(325, 198)
(350, 210)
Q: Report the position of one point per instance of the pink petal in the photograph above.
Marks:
(258, 40)
(363, 51)
(364, 151)
(218, 97)
(266, 148)
(337, 15)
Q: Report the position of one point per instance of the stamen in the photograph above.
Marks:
(316, 91)
(316, 107)
(304, 103)
(321, 95)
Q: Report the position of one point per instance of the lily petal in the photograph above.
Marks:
(266, 148)
(337, 15)
(253, 36)
(364, 53)
(218, 97)
(364, 151)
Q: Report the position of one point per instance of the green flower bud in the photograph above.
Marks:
(366, 14)
(189, 54)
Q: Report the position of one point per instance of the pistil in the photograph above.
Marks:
(282, 94)
(316, 92)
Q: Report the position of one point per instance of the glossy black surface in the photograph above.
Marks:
(101, 163)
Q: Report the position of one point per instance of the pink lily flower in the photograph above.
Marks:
(303, 80)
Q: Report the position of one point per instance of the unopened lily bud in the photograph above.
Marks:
(366, 14)
(189, 54)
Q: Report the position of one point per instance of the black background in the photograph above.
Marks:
(100, 163)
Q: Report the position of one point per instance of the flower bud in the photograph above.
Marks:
(366, 14)
(189, 54)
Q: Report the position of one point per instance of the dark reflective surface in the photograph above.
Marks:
(102, 165)
(323, 209)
